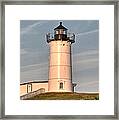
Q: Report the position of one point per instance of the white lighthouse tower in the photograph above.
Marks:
(60, 64)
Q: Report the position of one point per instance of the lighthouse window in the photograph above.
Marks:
(61, 86)
(65, 32)
(56, 32)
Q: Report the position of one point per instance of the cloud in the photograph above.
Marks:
(86, 33)
(30, 27)
(85, 61)
(34, 72)
(91, 86)
(86, 53)
(34, 57)
(86, 57)
(34, 66)
(90, 83)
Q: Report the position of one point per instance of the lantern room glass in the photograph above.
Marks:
(60, 32)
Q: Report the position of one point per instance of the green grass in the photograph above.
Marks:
(65, 96)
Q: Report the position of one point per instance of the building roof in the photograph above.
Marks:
(33, 82)
(60, 27)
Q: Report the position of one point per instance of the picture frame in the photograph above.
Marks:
(2, 90)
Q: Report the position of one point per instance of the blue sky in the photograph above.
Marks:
(85, 51)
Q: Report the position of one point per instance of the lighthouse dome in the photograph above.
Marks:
(60, 27)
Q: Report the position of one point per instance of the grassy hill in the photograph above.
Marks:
(65, 96)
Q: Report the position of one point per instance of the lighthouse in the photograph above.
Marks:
(60, 60)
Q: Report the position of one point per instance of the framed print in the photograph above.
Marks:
(61, 54)
(59, 60)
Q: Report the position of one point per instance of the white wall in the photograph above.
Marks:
(35, 86)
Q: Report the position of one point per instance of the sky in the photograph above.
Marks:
(34, 51)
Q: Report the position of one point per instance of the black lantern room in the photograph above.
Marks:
(60, 33)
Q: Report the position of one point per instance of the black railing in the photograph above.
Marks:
(70, 37)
